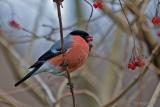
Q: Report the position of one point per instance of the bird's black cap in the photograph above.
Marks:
(79, 32)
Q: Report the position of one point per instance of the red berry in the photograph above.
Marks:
(98, 4)
(95, 5)
(136, 61)
(13, 23)
(156, 20)
(158, 34)
(132, 66)
(140, 62)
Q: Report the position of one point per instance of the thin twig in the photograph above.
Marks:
(126, 17)
(23, 63)
(60, 92)
(10, 100)
(155, 96)
(47, 36)
(81, 92)
(60, 24)
(108, 59)
(10, 7)
(146, 35)
(59, 2)
(90, 14)
(134, 50)
(155, 52)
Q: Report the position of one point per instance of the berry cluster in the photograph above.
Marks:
(156, 20)
(136, 62)
(13, 23)
(98, 4)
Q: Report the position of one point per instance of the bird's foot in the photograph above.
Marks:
(70, 85)
(64, 64)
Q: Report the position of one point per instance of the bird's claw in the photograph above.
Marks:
(64, 64)
(70, 85)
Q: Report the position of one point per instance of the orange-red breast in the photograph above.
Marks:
(76, 50)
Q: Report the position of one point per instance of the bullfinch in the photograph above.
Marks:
(76, 50)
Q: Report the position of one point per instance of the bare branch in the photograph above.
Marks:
(10, 100)
(81, 92)
(155, 96)
(4, 43)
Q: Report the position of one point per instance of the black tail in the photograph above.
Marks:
(26, 77)
(36, 67)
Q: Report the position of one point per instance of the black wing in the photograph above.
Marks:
(54, 51)
(49, 54)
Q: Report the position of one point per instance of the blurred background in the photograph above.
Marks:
(105, 74)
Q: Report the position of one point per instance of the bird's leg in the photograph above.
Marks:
(69, 84)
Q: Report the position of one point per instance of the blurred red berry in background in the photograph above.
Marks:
(139, 62)
(132, 66)
(136, 62)
(98, 4)
(13, 23)
(158, 34)
(156, 20)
